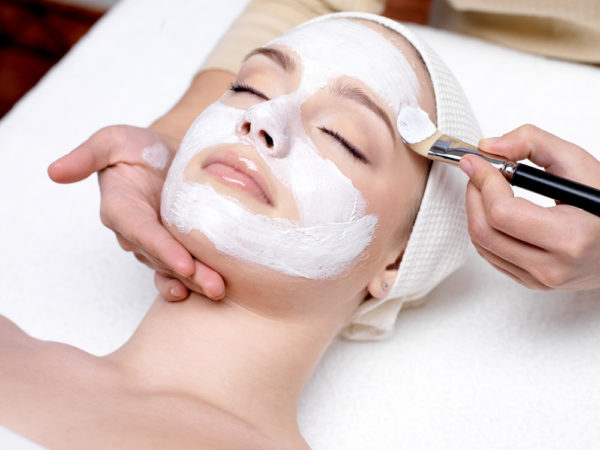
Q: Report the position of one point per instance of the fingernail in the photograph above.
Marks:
(214, 295)
(466, 167)
(488, 141)
(175, 292)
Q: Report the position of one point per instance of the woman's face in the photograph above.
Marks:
(299, 170)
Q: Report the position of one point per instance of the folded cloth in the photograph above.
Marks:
(439, 238)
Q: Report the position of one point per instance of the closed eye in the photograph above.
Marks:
(241, 87)
(344, 143)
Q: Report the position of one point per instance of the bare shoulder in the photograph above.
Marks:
(11, 334)
(41, 382)
(16, 348)
(26, 358)
(49, 387)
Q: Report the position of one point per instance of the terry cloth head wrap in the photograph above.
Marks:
(438, 241)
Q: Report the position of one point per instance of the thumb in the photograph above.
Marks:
(486, 178)
(95, 154)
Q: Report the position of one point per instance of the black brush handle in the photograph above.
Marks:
(558, 188)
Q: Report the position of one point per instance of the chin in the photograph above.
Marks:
(246, 279)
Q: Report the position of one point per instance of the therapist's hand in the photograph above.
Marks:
(541, 248)
(132, 163)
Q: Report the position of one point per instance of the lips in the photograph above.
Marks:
(238, 172)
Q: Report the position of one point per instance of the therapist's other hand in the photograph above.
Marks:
(132, 163)
(541, 248)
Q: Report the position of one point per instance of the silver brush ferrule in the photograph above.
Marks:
(450, 150)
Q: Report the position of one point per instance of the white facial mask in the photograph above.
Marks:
(333, 229)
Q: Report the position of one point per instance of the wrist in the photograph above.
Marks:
(166, 128)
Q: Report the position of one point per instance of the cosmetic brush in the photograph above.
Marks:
(441, 147)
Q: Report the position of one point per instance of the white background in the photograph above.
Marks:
(484, 363)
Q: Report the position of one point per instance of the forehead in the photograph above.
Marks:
(333, 48)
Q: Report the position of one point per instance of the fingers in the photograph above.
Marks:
(491, 206)
(162, 246)
(544, 149)
(516, 217)
(503, 252)
(513, 271)
(205, 281)
(201, 278)
(108, 146)
(211, 281)
(165, 252)
(539, 247)
(158, 245)
(170, 289)
(125, 244)
(134, 217)
(484, 233)
(141, 258)
(495, 221)
(95, 154)
(487, 179)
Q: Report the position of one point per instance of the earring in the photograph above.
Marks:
(384, 286)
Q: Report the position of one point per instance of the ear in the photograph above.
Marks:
(381, 284)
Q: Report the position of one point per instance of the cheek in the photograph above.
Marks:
(323, 193)
(334, 173)
(392, 196)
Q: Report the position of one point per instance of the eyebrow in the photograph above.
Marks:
(358, 95)
(281, 58)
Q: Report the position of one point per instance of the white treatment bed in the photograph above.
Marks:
(484, 363)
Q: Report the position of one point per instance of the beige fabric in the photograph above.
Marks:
(566, 29)
(264, 20)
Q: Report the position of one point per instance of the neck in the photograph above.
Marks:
(251, 366)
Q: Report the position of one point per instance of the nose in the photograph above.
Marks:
(245, 129)
(261, 126)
